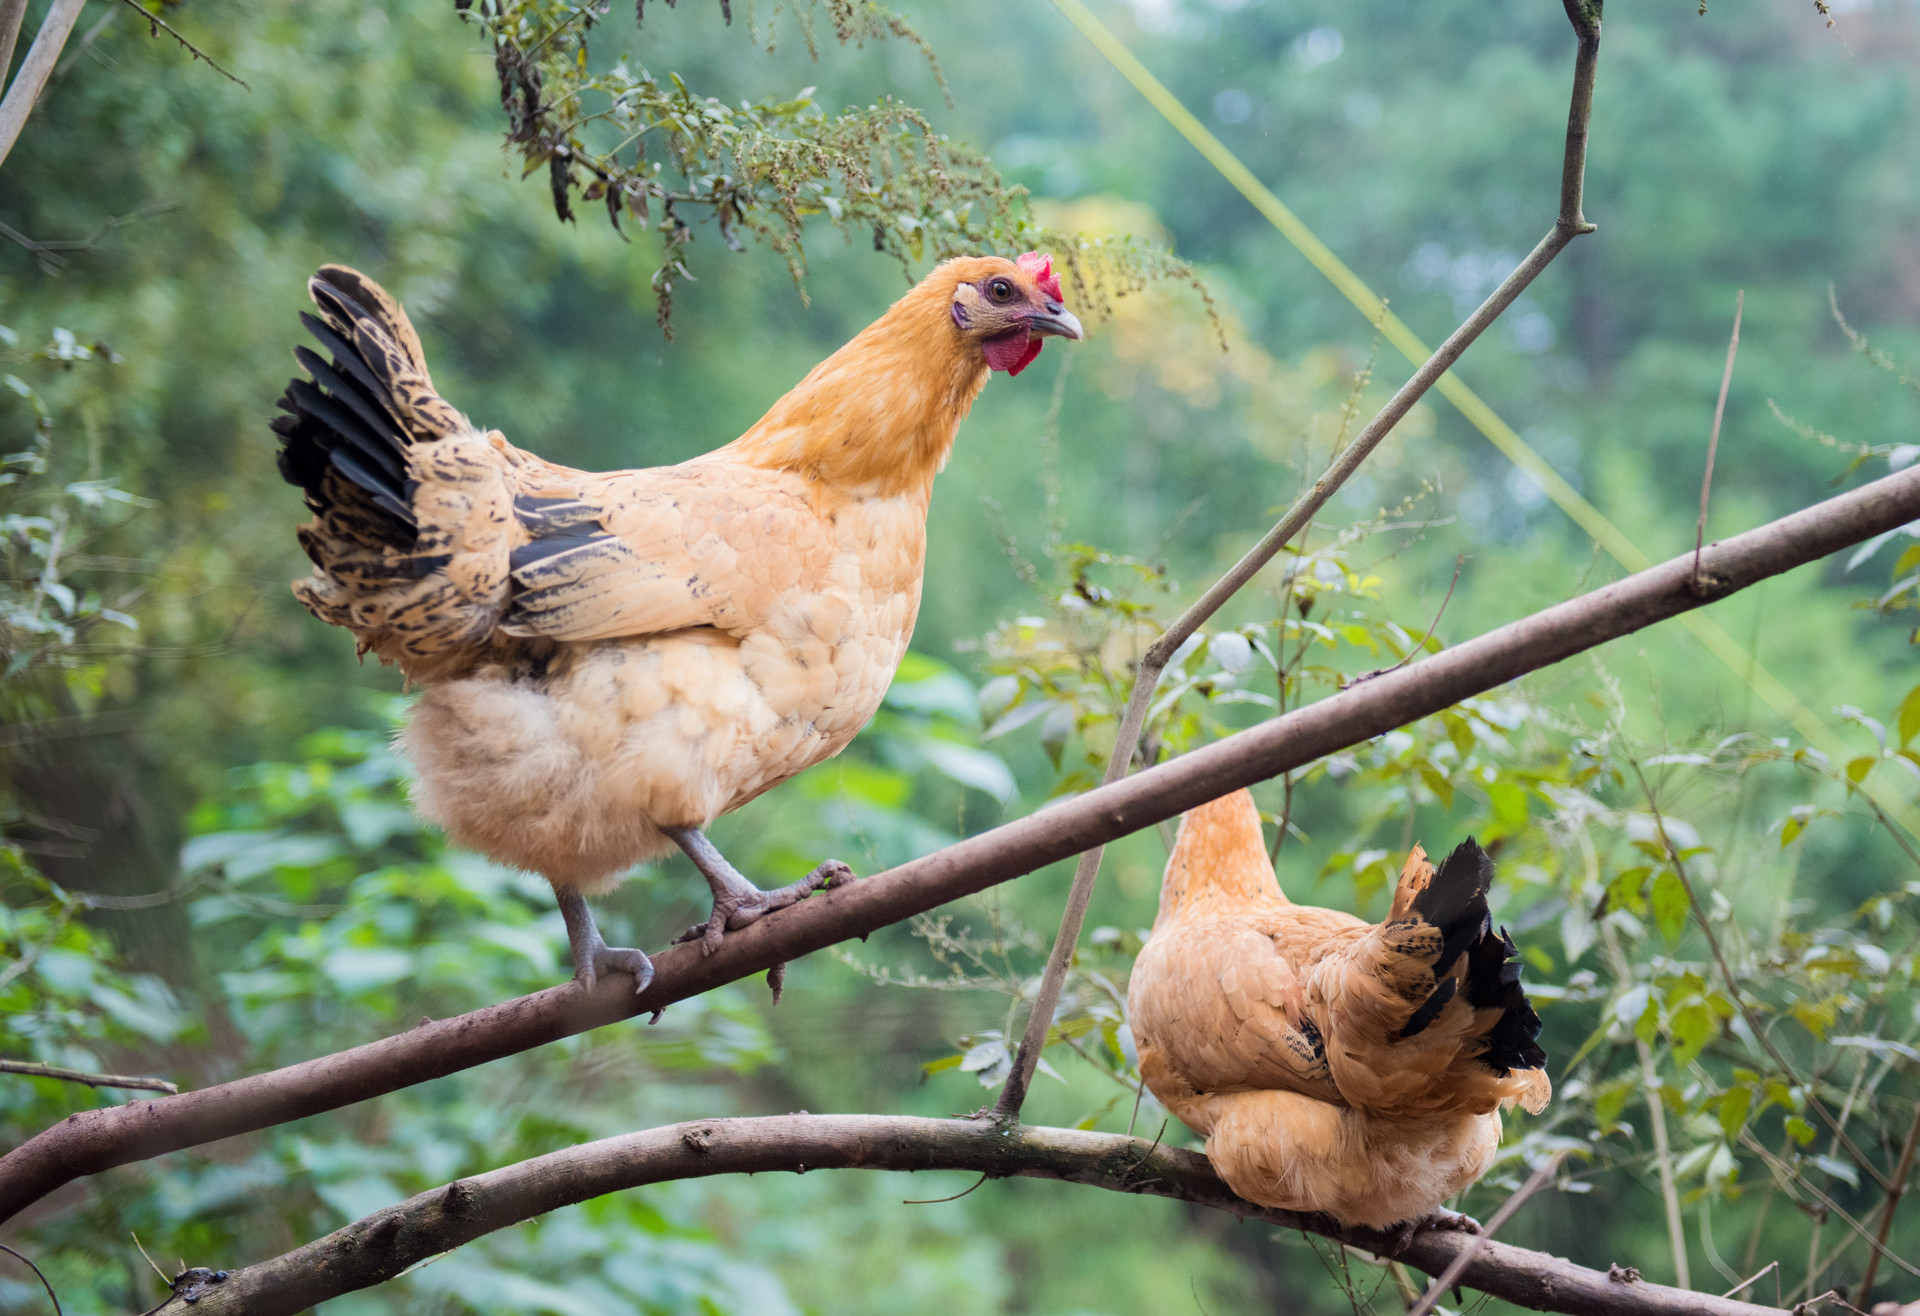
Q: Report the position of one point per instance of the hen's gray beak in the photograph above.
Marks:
(1056, 320)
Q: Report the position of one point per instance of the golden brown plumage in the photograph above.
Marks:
(1332, 1064)
(612, 660)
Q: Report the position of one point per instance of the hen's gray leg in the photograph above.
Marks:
(736, 901)
(591, 954)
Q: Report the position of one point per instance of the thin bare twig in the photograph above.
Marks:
(96, 1140)
(1753, 1144)
(1451, 1275)
(1756, 1278)
(1570, 224)
(1431, 628)
(935, 1201)
(34, 1069)
(1657, 1121)
(156, 25)
(1713, 440)
(1895, 1191)
(51, 1295)
(151, 1263)
(51, 254)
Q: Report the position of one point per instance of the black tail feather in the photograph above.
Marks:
(344, 420)
(1493, 980)
(1455, 902)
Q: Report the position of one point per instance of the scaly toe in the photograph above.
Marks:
(620, 959)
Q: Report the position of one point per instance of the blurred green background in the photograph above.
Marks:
(230, 750)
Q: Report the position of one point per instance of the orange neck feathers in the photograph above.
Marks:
(1219, 864)
(877, 418)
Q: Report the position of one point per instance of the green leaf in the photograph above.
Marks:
(1670, 905)
(1791, 829)
(1624, 891)
(1509, 804)
(1692, 1029)
(1908, 717)
(1734, 1105)
(1860, 767)
(1054, 730)
(1817, 1017)
(1799, 1130)
(1647, 1027)
(1608, 1103)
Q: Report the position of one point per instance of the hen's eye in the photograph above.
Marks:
(1000, 290)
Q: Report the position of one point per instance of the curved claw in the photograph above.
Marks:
(734, 907)
(1449, 1220)
(591, 954)
(622, 959)
(1436, 1219)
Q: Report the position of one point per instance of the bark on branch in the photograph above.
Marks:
(376, 1249)
(96, 1140)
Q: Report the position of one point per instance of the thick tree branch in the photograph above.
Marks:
(1569, 224)
(41, 57)
(379, 1247)
(96, 1140)
(12, 14)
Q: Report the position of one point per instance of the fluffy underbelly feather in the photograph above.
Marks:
(572, 775)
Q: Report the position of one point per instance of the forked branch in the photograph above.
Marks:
(375, 1249)
(1569, 224)
(96, 1140)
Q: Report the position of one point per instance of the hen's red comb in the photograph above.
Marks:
(1040, 269)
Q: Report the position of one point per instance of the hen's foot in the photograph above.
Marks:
(591, 954)
(1451, 1221)
(736, 901)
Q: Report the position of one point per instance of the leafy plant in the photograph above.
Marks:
(762, 170)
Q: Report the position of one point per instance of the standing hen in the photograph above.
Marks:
(1332, 1064)
(612, 660)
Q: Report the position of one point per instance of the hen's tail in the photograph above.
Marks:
(409, 540)
(1426, 1012)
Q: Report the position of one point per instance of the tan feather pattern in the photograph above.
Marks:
(1332, 1064)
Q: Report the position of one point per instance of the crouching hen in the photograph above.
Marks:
(611, 660)
(1332, 1064)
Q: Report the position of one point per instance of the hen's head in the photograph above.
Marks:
(1005, 307)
